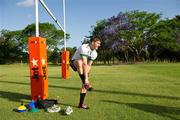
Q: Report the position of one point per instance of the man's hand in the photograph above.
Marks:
(87, 85)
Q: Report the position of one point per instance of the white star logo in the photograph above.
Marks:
(63, 61)
(43, 61)
(34, 62)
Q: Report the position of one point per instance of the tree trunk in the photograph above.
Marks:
(126, 55)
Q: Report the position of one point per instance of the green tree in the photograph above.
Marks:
(164, 37)
(126, 33)
(9, 47)
(54, 56)
(14, 47)
(136, 38)
(53, 36)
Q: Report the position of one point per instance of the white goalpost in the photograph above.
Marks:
(65, 54)
(52, 16)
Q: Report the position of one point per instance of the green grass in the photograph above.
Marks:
(148, 91)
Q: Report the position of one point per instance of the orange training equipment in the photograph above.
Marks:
(65, 64)
(38, 68)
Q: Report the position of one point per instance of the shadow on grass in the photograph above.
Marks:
(104, 91)
(68, 105)
(14, 96)
(138, 94)
(163, 111)
(1, 76)
(55, 77)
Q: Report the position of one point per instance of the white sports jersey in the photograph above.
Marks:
(85, 50)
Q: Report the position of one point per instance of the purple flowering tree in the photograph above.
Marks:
(126, 32)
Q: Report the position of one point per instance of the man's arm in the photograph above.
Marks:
(85, 68)
(89, 65)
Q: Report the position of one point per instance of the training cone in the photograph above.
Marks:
(32, 106)
(21, 108)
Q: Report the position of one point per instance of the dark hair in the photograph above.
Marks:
(95, 38)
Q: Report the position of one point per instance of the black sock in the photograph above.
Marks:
(82, 76)
(82, 96)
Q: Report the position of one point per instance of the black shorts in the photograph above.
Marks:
(72, 65)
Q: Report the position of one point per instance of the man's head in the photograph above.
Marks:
(95, 42)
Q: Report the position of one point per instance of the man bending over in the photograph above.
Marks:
(81, 62)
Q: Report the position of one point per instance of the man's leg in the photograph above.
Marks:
(82, 97)
(78, 65)
(72, 65)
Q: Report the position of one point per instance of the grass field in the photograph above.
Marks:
(147, 91)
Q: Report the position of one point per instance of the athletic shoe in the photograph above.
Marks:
(68, 110)
(83, 106)
(54, 108)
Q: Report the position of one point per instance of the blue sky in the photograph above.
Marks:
(80, 14)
